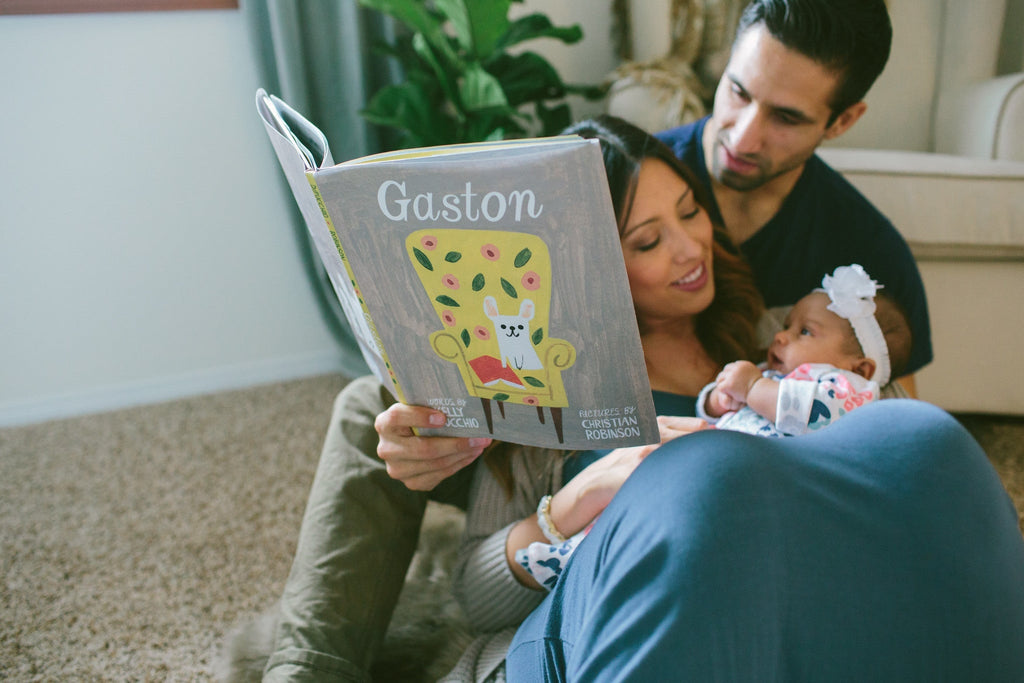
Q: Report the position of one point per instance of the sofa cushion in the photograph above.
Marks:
(945, 206)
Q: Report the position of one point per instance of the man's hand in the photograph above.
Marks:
(422, 462)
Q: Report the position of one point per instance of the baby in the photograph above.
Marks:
(840, 344)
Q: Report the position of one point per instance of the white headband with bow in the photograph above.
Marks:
(853, 297)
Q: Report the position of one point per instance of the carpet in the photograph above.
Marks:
(132, 542)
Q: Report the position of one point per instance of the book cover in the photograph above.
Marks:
(484, 280)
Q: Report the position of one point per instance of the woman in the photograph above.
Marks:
(708, 562)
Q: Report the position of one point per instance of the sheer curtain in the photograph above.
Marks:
(317, 56)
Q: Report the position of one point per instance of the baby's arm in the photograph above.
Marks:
(741, 383)
(820, 395)
(763, 398)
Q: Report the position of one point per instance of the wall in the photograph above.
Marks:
(146, 251)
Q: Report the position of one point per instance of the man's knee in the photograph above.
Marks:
(351, 434)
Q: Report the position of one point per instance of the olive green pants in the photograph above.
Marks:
(358, 536)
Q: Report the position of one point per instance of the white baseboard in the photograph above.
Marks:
(161, 389)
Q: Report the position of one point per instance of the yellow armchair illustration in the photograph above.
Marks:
(491, 291)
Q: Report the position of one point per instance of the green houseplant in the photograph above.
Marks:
(462, 84)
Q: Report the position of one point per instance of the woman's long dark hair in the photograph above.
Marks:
(727, 329)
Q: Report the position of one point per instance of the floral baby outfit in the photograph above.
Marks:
(812, 396)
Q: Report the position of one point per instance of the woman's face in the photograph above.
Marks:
(666, 243)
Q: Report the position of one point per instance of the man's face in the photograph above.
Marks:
(771, 112)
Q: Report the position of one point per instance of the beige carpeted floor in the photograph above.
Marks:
(131, 542)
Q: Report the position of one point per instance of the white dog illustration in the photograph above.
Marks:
(513, 334)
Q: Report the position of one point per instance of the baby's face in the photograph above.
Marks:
(814, 334)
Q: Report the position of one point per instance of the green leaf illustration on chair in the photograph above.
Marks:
(491, 291)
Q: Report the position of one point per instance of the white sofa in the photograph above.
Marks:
(941, 152)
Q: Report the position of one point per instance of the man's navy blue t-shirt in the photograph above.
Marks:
(823, 223)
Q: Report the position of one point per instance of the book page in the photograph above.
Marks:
(295, 160)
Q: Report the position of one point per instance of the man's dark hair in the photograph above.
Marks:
(849, 37)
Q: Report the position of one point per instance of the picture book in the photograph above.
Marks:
(484, 280)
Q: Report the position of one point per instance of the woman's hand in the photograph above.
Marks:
(587, 494)
(584, 497)
(422, 462)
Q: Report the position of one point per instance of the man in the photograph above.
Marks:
(776, 104)
(796, 77)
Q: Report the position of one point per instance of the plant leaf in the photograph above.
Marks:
(554, 119)
(478, 24)
(527, 77)
(452, 257)
(478, 282)
(481, 90)
(408, 108)
(590, 92)
(465, 337)
(509, 289)
(538, 26)
(523, 257)
(446, 300)
(419, 19)
(538, 336)
(460, 83)
(423, 49)
(495, 123)
(533, 381)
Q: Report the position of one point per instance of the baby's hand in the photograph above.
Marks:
(735, 380)
(718, 403)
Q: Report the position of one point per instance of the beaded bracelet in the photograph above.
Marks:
(547, 527)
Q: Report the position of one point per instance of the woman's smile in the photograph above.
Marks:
(694, 280)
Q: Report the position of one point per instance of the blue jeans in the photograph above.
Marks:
(883, 548)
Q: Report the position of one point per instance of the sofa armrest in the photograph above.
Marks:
(983, 120)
